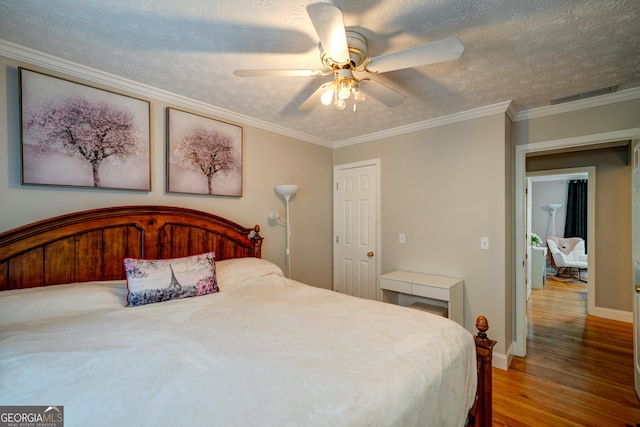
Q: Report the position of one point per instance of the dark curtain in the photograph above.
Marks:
(576, 221)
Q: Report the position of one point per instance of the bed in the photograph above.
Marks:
(255, 349)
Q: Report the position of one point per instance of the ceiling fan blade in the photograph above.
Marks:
(278, 73)
(329, 25)
(314, 100)
(381, 92)
(430, 53)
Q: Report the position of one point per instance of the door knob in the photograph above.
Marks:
(638, 288)
(370, 254)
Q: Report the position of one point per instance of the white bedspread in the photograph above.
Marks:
(265, 351)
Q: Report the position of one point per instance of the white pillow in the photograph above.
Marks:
(46, 302)
(234, 271)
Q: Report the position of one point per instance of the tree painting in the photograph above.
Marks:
(78, 135)
(89, 130)
(204, 155)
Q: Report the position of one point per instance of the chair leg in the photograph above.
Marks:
(561, 274)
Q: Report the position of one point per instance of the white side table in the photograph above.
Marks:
(407, 288)
(538, 267)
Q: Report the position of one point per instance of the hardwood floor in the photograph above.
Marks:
(578, 370)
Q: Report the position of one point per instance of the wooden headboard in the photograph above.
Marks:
(91, 245)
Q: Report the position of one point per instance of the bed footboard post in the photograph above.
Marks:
(481, 414)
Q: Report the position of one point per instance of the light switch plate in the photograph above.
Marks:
(484, 243)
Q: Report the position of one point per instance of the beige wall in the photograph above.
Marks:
(269, 159)
(445, 188)
(589, 121)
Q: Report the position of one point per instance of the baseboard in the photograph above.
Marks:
(502, 360)
(611, 314)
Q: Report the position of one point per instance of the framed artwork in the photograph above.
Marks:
(75, 135)
(204, 156)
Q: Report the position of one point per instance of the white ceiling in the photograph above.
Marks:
(527, 51)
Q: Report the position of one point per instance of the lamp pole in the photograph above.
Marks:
(286, 191)
(551, 226)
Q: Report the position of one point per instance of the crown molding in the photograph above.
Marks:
(512, 112)
(596, 101)
(488, 110)
(50, 62)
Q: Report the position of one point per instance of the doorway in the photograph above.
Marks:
(547, 193)
(520, 229)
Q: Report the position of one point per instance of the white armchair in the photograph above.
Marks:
(566, 254)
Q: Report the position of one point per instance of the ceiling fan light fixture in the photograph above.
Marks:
(357, 95)
(327, 96)
(341, 88)
(345, 89)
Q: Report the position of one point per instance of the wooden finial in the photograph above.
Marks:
(257, 241)
(482, 325)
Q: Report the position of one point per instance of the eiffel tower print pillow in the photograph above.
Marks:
(157, 280)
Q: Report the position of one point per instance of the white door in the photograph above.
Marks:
(355, 210)
(635, 220)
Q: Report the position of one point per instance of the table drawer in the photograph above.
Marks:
(430, 292)
(395, 285)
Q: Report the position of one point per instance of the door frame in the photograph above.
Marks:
(635, 255)
(519, 346)
(336, 169)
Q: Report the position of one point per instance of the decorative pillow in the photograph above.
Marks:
(156, 280)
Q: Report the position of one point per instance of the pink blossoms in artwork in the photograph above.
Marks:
(209, 152)
(90, 130)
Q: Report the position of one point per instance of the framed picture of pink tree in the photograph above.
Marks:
(76, 135)
(204, 155)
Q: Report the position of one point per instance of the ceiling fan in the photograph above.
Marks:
(345, 56)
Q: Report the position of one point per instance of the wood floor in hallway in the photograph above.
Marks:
(578, 370)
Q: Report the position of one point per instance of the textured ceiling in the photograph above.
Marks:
(527, 51)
